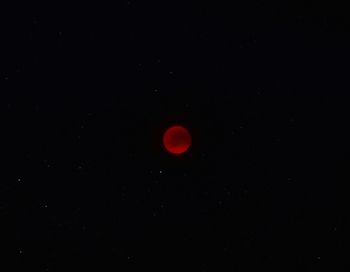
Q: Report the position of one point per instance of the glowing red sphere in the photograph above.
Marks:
(177, 140)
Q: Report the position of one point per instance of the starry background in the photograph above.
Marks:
(87, 92)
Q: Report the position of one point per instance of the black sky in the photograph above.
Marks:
(87, 93)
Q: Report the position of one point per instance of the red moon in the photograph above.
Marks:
(177, 140)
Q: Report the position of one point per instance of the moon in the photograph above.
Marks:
(177, 140)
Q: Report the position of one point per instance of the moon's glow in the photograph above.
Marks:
(177, 140)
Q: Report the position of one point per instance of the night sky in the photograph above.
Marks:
(87, 92)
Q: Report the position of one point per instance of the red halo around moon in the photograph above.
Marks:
(177, 140)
